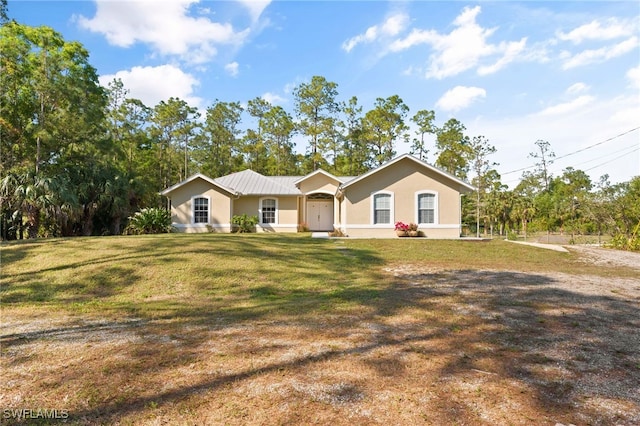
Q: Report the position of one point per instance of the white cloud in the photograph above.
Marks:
(391, 27)
(511, 51)
(154, 84)
(460, 97)
(395, 24)
(232, 69)
(255, 7)
(603, 54)
(273, 99)
(634, 77)
(567, 107)
(595, 30)
(463, 48)
(576, 88)
(165, 25)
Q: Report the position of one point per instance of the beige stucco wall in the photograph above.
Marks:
(287, 212)
(219, 207)
(404, 179)
(319, 183)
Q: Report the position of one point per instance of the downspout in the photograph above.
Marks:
(460, 215)
(339, 196)
(235, 196)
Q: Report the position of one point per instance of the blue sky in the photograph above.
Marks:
(514, 72)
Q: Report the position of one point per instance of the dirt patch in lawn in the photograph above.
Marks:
(606, 257)
(432, 346)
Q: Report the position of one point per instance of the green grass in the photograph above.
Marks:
(237, 275)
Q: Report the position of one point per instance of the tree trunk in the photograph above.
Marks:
(33, 221)
(115, 226)
(87, 221)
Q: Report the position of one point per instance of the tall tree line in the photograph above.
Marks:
(79, 159)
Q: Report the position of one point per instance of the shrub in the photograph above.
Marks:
(149, 221)
(512, 236)
(624, 242)
(244, 223)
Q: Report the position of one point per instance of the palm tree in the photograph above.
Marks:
(28, 195)
(8, 207)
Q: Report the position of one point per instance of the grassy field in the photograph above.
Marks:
(286, 329)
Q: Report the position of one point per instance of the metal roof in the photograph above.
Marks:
(248, 182)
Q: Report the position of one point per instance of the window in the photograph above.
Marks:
(382, 208)
(200, 210)
(268, 210)
(427, 208)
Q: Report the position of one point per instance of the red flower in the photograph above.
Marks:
(400, 226)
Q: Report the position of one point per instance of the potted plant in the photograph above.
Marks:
(402, 229)
(413, 230)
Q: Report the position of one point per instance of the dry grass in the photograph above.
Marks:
(255, 329)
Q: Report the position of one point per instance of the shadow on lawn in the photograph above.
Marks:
(511, 308)
(525, 342)
(513, 326)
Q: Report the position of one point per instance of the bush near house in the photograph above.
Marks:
(150, 221)
(244, 223)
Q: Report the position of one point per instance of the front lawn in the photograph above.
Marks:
(286, 329)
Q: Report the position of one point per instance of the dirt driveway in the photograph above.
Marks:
(573, 342)
(607, 257)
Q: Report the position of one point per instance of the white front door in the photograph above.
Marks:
(320, 215)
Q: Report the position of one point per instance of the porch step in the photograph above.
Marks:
(319, 235)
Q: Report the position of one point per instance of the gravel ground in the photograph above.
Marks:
(607, 257)
(573, 338)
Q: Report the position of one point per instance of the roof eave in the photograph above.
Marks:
(315, 172)
(460, 182)
(191, 178)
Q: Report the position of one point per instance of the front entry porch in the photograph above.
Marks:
(319, 212)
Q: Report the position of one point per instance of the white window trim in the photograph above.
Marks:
(260, 211)
(436, 203)
(193, 210)
(391, 212)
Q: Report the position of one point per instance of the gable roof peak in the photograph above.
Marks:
(193, 177)
(422, 163)
(317, 172)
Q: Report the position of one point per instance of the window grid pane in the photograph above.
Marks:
(426, 201)
(382, 216)
(426, 208)
(383, 201)
(382, 208)
(426, 216)
(200, 210)
(269, 211)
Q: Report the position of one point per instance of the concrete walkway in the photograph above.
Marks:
(554, 247)
(319, 235)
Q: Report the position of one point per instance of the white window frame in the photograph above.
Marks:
(436, 219)
(193, 210)
(260, 211)
(391, 209)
